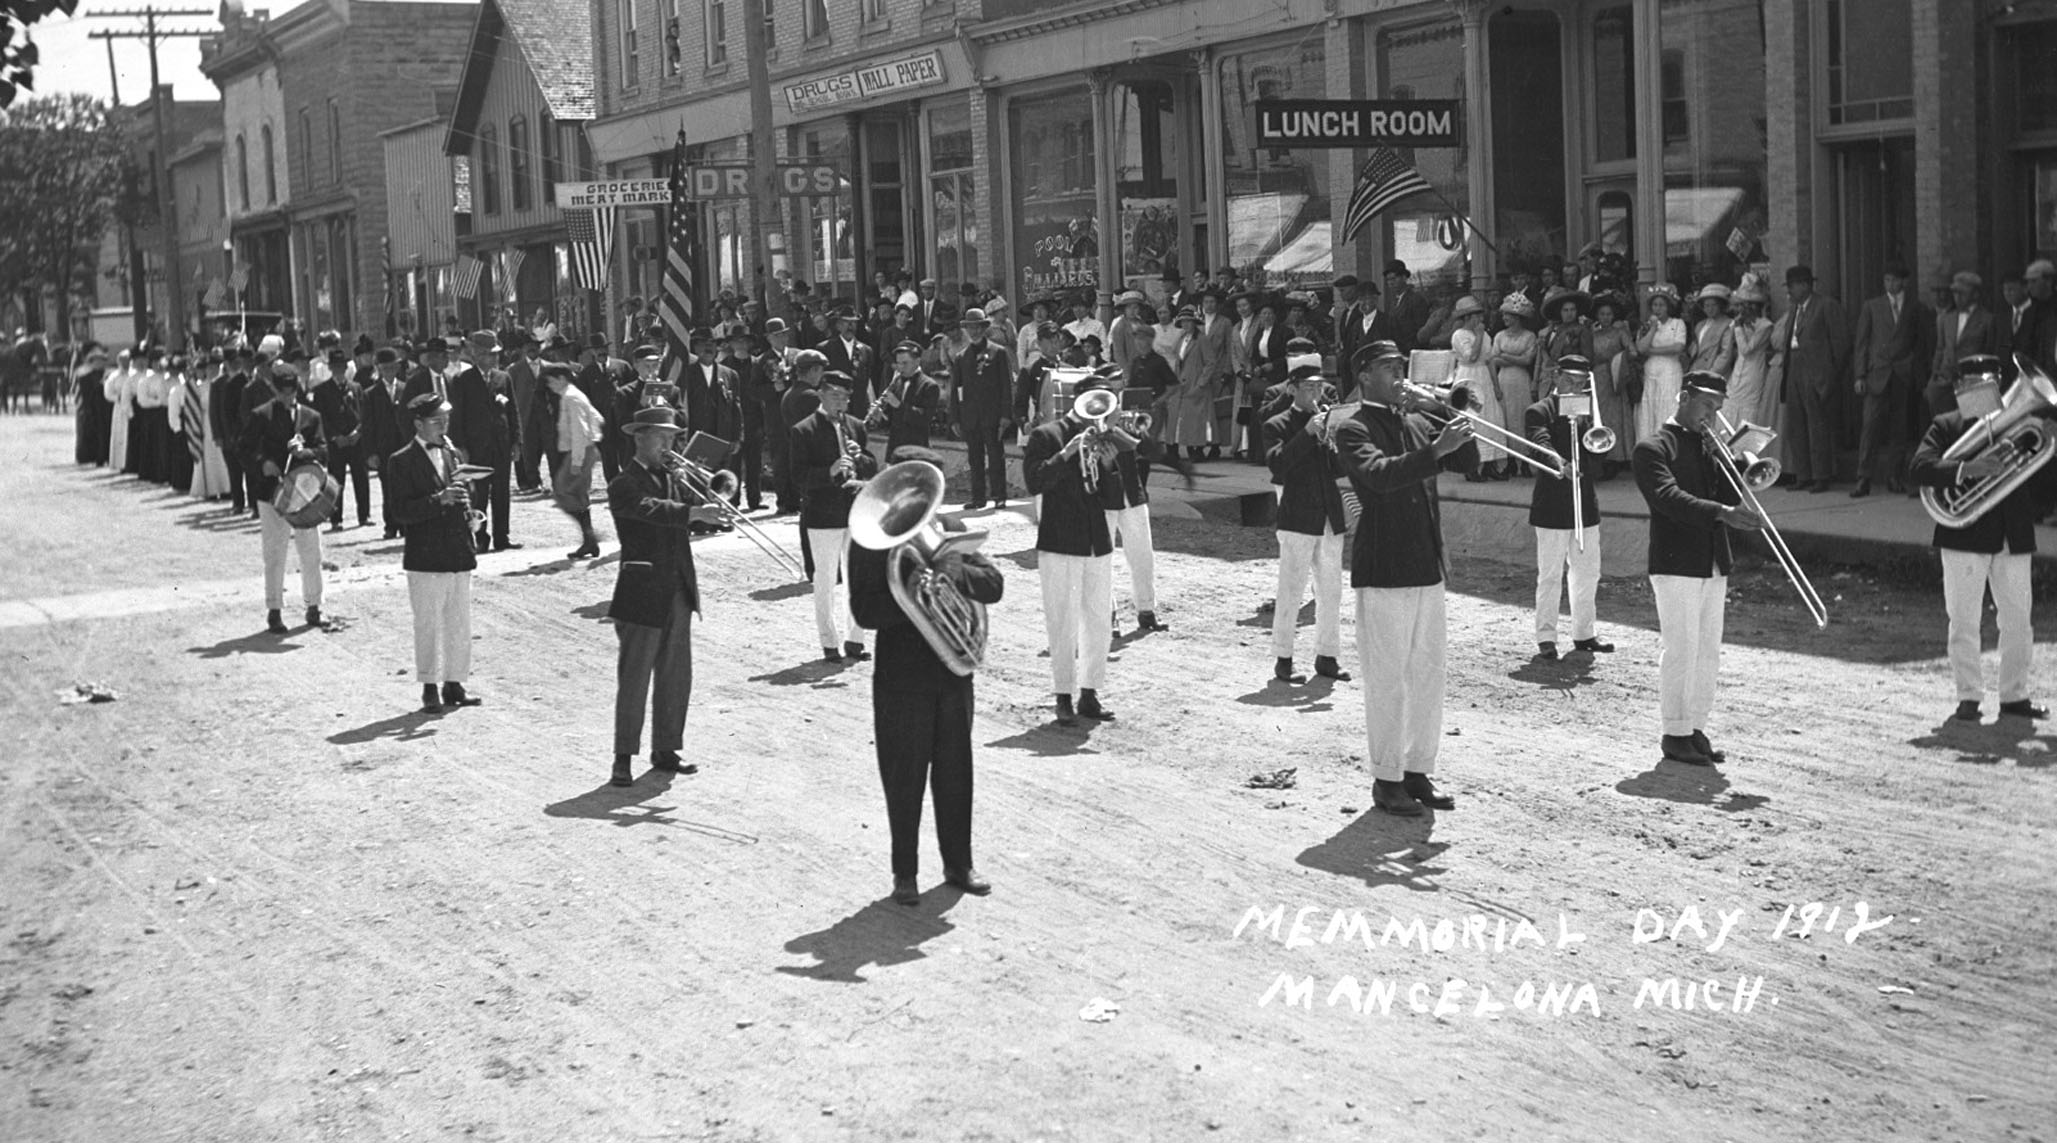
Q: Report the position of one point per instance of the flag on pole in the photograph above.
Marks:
(514, 257)
(468, 269)
(590, 239)
(1384, 180)
(676, 308)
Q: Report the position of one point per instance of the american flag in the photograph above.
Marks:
(468, 269)
(514, 257)
(1385, 180)
(591, 234)
(676, 308)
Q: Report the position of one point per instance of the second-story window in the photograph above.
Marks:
(674, 49)
(518, 172)
(771, 38)
(717, 33)
(487, 174)
(306, 147)
(546, 140)
(631, 65)
(874, 10)
(242, 173)
(816, 18)
(335, 141)
(271, 170)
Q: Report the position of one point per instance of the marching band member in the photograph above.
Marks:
(656, 596)
(1311, 524)
(1397, 567)
(1549, 513)
(1126, 497)
(922, 710)
(1994, 551)
(279, 434)
(829, 459)
(575, 448)
(1074, 554)
(908, 402)
(430, 504)
(1692, 506)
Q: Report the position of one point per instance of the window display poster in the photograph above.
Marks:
(1149, 236)
(1062, 245)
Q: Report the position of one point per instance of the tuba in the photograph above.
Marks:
(2015, 433)
(895, 511)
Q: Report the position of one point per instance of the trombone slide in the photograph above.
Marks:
(1739, 478)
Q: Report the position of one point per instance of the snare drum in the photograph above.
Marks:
(307, 495)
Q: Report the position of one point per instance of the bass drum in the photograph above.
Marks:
(307, 495)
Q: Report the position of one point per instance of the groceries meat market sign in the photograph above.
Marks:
(1356, 122)
(886, 78)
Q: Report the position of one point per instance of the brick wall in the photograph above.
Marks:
(1946, 152)
(1789, 135)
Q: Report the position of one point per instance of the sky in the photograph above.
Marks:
(71, 62)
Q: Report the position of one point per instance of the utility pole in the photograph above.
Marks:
(764, 205)
(167, 201)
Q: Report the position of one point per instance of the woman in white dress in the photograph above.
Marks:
(119, 387)
(1714, 339)
(1660, 343)
(1751, 395)
(1513, 361)
(1468, 368)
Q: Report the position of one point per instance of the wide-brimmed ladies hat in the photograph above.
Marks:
(1518, 305)
(1555, 299)
(1715, 290)
(1751, 292)
(1664, 290)
(1466, 306)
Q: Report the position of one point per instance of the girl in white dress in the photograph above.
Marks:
(1513, 360)
(1750, 392)
(119, 387)
(1468, 345)
(1660, 343)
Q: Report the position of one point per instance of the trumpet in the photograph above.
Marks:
(896, 511)
(1736, 452)
(716, 488)
(2016, 433)
(1437, 408)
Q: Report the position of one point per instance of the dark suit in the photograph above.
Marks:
(981, 387)
(932, 318)
(858, 360)
(1407, 311)
(340, 403)
(486, 425)
(1979, 335)
(600, 381)
(527, 385)
(1814, 341)
(225, 417)
(908, 422)
(656, 595)
(921, 712)
(1891, 360)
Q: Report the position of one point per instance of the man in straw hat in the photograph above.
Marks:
(430, 504)
(1397, 567)
(1550, 514)
(1692, 506)
(1994, 551)
(656, 595)
(981, 390)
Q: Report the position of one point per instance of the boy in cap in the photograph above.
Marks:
(430, 503)
(830, 459)
(280, 433)
(1550, 514)
(1066, 466)
(1311, 525)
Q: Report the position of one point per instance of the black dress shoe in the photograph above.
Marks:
(968, 879)
(1422, 790)
(974, 506)
(1682, 748)
(1546, 651)
(623, 775)
(1592, 645)
(1327, 667)
(855, 652)
(1863, 489)
(1967, 711)
(1089, 706)
(506, 546)
(1147, 621)
(831, 655)
(1393, 798)
(1894, 485)
(1822, 486)
(431, 703)
(670, 762)
(1000, 503)
(905, 891)
(583, 552)
(1705, 747)
(2023, 708)
(1283, 671)
(453, 695)
(274, 623)
(313, 615)
(1065, 717)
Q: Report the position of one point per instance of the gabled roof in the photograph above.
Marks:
(553, 38)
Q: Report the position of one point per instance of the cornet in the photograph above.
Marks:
(1095, 406)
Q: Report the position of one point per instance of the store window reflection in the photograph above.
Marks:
(1146, 182)
(1279, 217)
(1050, 162)
(1428, 63)
(951, 192)
(1714, 157)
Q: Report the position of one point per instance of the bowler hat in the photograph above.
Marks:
(1800, 273)
(1343, 282)
(385, 356)
(774, 326)
(1400, 268)
(284, 374)
(701, 335)
(974, 316)
(485, 340)
(656, 418)
(596, 341)
(1704, 381)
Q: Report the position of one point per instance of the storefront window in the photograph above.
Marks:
(1528, 140)
(1614, 85)
(1279, 218)
(827, 246)
(1056, 234)
(1870, 59)
(1428, 63)
(1146, 183)
(1714, 173)
(951, 192)
(2035, 47)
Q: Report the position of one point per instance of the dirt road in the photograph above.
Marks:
(255, 898)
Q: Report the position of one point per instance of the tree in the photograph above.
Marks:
(68, 167)
(17, 53)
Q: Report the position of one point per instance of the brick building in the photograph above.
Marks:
(131, 261)
(242, 63)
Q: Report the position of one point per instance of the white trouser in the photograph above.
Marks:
(1965, 578)
(1689, 614)
(1078, 594)
(442, 625)
(830, 548)
(276, 535)
(1400, 660)
(1130, 530)
(1300, 556)
(1554, 552)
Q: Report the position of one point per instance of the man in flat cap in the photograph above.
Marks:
(431, 502)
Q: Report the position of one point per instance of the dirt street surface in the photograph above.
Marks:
(256, 898)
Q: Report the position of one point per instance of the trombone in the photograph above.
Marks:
(1434, 405)
(1738, 451)
(1596, 438)
(715, 488)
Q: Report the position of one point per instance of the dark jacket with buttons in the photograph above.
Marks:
(2008, 527)
(1392, 465)
(437, 539)
(1686, 492)
(1549, 504)
(268, 435)
(1073, 519)
(1306, 473)
(906, 662)
(652, 512)
(815, 452)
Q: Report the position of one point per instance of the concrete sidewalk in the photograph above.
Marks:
(1884, 533)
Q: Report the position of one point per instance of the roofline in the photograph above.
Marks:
(431, 121)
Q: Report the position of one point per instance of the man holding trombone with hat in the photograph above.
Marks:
(1567, 520)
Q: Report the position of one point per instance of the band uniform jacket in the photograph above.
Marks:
(981, 384)
(435, 535)
(652, 516)
(1072, 520)
(826, 503)
(1306, 472)
(1824, 345)
(905, 661)
(1549, 505)
(1392, 466)
(1130, 483)
(2009, 527)
(1686, 492)
(908, 422)
(1887, 352)
(268, 436)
